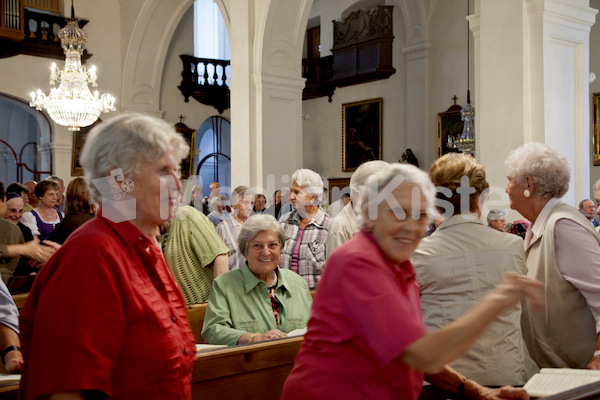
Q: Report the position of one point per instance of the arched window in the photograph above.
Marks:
(25, 135)
(212, 155)
(210, 33)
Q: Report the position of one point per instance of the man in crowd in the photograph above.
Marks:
(242, 202)
(32, 199)
(586, 207)
(496, 219)
(215, 189)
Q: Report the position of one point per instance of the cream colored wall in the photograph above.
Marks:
(322, 123)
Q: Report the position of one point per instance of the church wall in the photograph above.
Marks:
(322, 123)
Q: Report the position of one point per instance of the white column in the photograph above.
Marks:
(243, 113)
(559, 41)
(416, 105)
(278, 137)
(531, 68)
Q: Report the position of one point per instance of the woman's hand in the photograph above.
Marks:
(503, 393)
(475, 391)
(516, 287)
(270, 335)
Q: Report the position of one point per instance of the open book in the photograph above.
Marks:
(550, 381)
(9, 379)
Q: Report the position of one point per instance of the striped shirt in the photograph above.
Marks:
(229, 229)
(311, 256)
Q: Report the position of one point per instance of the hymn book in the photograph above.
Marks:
(550, 381)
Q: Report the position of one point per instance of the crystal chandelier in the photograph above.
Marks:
(72, 104)
(465, 142)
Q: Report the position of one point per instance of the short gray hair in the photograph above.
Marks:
(127, 142)
(548, 168)
(583, 201)
(364, 171)
(309, 180)
(256, 224)
(495, 215)
(238, 194)
(398, 174)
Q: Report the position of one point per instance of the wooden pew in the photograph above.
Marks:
(249, 371)
(19, 299)
(195, 316)
(252, 371)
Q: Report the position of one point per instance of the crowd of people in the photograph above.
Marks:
(409, 282)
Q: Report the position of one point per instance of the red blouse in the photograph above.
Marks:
(365, 313)
(106, 314)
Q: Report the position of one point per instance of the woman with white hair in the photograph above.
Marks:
(366, 338)
(562, 250)
(122, 330)
(347, 222)
(259, 301)
(306, 228)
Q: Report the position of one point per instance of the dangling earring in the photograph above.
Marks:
(526, 193)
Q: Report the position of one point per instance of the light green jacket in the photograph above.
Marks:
(240, 303)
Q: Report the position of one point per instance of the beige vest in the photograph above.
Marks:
(564, 334)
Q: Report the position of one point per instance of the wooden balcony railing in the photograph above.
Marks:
(24, 29)
(318, 73)
(205, 79)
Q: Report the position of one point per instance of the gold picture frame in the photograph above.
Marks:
(450, 124)
(596, 128)
(361, 132)
(78, 142)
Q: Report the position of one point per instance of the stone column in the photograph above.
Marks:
(416, 90)
(531, 69)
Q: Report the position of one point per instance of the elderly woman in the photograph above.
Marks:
(43, 219)
(347, 222)
(562, 251)
(366, 337)
(259, 301)
(259, 204)
(79, 208)
(306, 228)
(460, 263)
(105, 317)
(218, 212)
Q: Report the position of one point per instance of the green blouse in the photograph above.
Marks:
(190, 247)
(240, 303)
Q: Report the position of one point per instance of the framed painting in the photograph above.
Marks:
(450, 125)
(78, 141)
(361, 132)
(596, 130)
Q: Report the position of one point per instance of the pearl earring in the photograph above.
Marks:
(526, 193)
